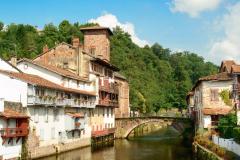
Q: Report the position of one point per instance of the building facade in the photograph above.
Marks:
(91, 60)
(213, 97)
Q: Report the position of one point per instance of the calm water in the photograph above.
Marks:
(160, 145)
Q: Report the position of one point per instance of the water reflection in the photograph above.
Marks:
(164, 144)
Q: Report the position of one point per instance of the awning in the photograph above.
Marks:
(9, 113)
(216, 111)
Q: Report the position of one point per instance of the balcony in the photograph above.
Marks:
(13, 132)
(108, 87)
(103, 132)
(52, 101)
(108, 102)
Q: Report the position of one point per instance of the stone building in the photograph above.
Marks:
(214, 96)
(123, 110)
(91, 61)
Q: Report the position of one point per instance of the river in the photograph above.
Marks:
(164, 144)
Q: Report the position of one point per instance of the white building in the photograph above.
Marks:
(13, 124)
(209, 105)
(58, 114)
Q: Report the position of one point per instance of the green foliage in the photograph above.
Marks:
(158, 78)
(226, 125)
(225, 95)
(163, 78)
(236, 134)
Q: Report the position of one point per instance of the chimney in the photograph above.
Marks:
(45, 48)
(75, 42)
(13, 61)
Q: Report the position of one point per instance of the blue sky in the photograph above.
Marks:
(199, 26)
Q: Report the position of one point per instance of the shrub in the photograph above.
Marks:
(226, 125)
(236, 134)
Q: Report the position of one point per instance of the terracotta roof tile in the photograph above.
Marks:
(216, 111)
(118, 75)
(235, 69)
(223, 76)
(76, 115)
(228, 64)
(96, 28)
(36, 80)
(57, 70)
(9, 113)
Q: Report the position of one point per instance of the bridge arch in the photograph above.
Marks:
(124, 126)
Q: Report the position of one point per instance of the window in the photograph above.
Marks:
(46, 114)
(37, 92)
(42, 134)
(42, 92)
(214, 95)
(56, 114)
(111, 112)
(36, 117)
(92, 50)
(53, 133)
(107, 112)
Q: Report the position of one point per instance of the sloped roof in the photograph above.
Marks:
(76, 115)
(235, 69)
(96, 28)
(223, 76)
(55, 69)
(10, 64)
(216, 111)
(228, 64)
(107, 64)
(118, 75)
(62, 43)
(36, 80)
(9, 113)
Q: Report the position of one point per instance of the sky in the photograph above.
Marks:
(210, 28)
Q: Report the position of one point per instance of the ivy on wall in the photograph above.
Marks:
(225, 95)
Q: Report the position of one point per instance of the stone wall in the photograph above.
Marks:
(204, 154)
(125, 125)
(58, 148)
(99, 40)
(123, 109)
(16, 106)
(207, 102)
(61, 55)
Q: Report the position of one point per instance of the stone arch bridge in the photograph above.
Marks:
(124, 126)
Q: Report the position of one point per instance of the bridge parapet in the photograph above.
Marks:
(125, 125)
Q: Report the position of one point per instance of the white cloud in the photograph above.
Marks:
(111, 21)
(229, 46)
(194, 7)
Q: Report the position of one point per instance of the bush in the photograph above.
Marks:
(226, 125)
(236, 134)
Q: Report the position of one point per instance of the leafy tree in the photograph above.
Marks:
(157, 77)
(1, 25)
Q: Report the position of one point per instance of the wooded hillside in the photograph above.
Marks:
(158, 77)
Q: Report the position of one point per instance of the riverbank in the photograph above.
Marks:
(162, 144)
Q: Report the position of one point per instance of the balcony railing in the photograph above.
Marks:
(13, 132)
(108, 87)
(108, 103)
(103, 132)
(60, 102)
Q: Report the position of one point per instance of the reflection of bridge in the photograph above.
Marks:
(124, 126)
